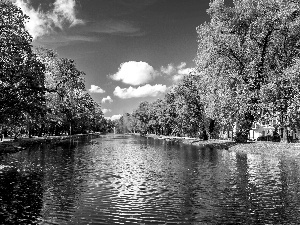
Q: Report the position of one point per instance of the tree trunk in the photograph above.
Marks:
(285, 135)
(211, 128)
(42, 128)
(204, 134)
(1, 133)
(243, 128)
(29, 130)
(70, 129)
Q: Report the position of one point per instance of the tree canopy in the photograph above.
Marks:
(246, 50)
(21, 74)
(247, 70)
(40, 93)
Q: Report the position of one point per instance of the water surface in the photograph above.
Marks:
(131, 180)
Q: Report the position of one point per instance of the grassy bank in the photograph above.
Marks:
(271, 149)
(213, 143)
(12, 146)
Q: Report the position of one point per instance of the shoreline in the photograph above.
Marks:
(13, 146)
(265, 148)
(212, 143)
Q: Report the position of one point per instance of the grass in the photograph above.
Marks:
(266, 148)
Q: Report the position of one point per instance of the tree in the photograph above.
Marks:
(192, 96)
(21, 74)
(142, 114)
(244, 48)
(69, 107)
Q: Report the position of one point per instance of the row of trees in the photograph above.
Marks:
(40, 93)
(247, 70)
(182, 111)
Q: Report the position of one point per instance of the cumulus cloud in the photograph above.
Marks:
(178, 77)
(168, 69)
(107, 99)
(106, 110)
(96, 89)
(176, 72)
(41, 23)
(135, 73)
(64, 12)
(114, 117)
(185, 71)
(181, 73)
(38, 24)
(181, 65)
(144, 91)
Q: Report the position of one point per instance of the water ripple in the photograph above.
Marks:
(125, 180)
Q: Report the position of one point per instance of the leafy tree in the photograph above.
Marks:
(157, 116)
(69, 107)
(193, 103)
(246, 47)
(21, 74)
(142, 114)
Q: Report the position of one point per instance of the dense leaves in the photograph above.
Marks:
(251, 49)
(40, 93)
(21, 74)
(247, 70)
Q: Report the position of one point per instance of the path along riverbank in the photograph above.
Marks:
(12, 146)
(270, 149)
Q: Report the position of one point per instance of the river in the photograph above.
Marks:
(135, 180)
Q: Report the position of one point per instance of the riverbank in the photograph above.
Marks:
(212, 143)
(12, 146)
(270, 149)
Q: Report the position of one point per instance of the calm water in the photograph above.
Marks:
(127, 180)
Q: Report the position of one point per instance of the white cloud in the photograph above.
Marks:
(107, 99)
(64, 11)
(181, 65)
(135, 73)
(42, 23)
(96, 89)
(106, 110)
(144, 91)
(38, 24)
(181, 73)
(185, 71)
(176, 72)
(178, 77)
(115, 27)
(168, 70)
(114, 117)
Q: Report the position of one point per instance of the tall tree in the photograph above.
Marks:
(69, 106)
(245, 47)
(21, 74)
(142, 114)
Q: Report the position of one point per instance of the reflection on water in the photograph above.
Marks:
(127, 180)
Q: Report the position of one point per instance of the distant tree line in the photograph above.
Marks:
(40, 93)
(247, 70)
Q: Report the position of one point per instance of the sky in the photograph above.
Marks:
(130, 50)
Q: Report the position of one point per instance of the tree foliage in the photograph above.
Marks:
(40, 92)
(247, 70)
(21, 74)
(246, 50)
(69, 106)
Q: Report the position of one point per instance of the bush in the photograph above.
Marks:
(241, 137)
